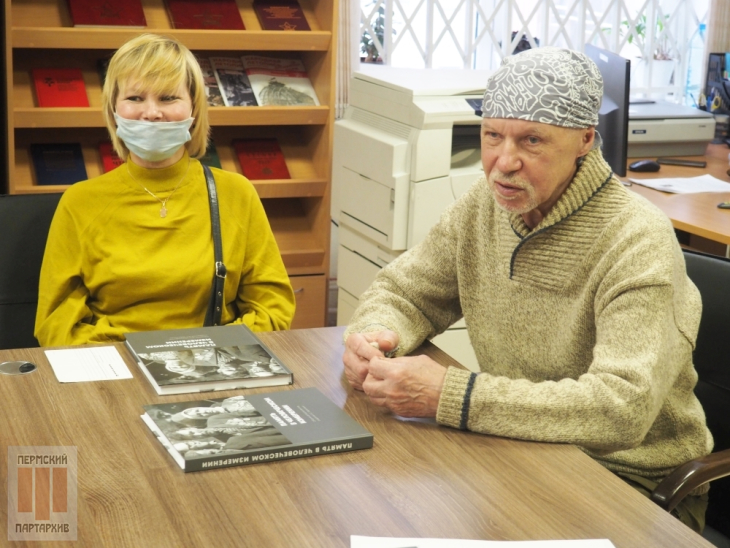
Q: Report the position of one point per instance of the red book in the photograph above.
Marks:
(205, 14)
(261, 159)
(107, 13)
(280, 15)
(60, 88)
(109, 157)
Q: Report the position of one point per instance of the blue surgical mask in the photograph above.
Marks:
(153, 141)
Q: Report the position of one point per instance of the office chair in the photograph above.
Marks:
(711, 275)
(24, 224)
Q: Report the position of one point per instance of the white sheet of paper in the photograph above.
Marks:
(97, 363)
(689, 185)
(390, 542)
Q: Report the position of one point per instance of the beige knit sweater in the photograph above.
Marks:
(583, 326)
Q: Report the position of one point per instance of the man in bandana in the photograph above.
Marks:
(574, 292)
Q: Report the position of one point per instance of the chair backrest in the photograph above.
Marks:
(711, 275)
(24, 224)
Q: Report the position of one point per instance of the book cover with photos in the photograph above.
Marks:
(235, 431)
(207, 14)
(109, 157)
(58, 163)
(261, 159)
(279, 81)
(224, 357)
(212, 90)
(233, 82)
(60, 87)
(107, 13)
(284, 15)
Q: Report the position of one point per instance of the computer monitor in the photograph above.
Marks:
(613, 118)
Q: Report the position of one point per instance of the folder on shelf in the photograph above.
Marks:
(208, 14)
(283, 15)
(60, 87)
(107, 13)
(58, 163)
(261, 159)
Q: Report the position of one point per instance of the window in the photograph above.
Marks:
(663, 38)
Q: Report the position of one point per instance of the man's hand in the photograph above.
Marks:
(360, 348)
(409, 386)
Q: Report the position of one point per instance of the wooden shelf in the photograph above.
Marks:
(299, 146)
(112, 38)
(34, 117)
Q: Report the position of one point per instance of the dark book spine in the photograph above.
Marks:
(283, 453)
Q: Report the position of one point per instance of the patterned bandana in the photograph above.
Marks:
(550, 85)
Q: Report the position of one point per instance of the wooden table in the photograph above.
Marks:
(420, 479)
(696, 214)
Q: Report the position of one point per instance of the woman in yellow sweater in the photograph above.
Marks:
(131, 250)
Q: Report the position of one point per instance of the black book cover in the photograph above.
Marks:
(224, 357)
(58, 163)
(223, 432)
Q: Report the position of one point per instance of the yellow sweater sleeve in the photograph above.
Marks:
(265, 300)
(112, 265)
(63, 317)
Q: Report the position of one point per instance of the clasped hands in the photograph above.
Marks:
(410, 386)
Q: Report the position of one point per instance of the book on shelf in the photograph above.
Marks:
(210, 158)
(60, 87)
(227, 357)
(261, 159)
(235, 431)
(204, 14)
(212, 90)
(109, 157)
(280, 15)
(58, 163)
(233, 82)
(279, 81)
(107, 13)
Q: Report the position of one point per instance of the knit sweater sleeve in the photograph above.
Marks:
(417, 294)
(647, 312)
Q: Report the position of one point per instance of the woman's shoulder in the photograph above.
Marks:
(234, 190)
(107, 184)
(229, 181)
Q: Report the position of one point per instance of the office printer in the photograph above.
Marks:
(660, 128)
(407, 147)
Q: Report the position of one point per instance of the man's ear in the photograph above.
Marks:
(588, 136)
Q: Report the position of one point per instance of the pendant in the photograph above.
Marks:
(163, 212)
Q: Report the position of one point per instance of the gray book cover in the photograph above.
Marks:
(227, 357)
(256, 428)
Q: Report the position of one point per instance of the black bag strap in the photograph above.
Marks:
(215, 307)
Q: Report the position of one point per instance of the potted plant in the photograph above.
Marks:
(660, 50)
(368, 49)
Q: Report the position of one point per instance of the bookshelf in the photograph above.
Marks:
(40, 33)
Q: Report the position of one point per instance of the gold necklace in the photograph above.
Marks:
(163, 209)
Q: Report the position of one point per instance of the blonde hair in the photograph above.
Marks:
(159, 64)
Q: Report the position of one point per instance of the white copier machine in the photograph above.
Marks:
(407, 147)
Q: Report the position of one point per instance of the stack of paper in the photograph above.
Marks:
(703, 183)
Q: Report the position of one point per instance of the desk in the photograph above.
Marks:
(420, 479)
(696, 214)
